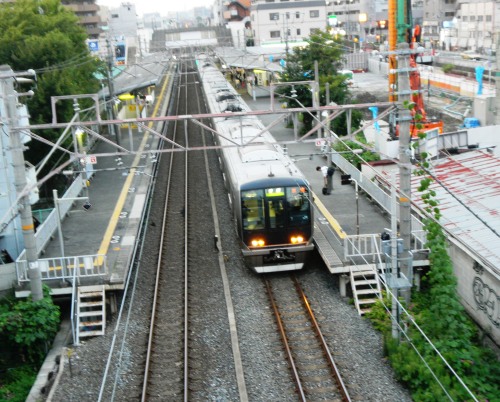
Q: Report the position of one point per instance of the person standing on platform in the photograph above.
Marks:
(327, 173)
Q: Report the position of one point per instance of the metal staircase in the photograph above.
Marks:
(91, 312)
(365, 286)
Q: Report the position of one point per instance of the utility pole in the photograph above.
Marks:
(114, 130)
(404, 117)
(10, 97)
(315, 95)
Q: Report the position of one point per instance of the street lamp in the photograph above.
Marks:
(363, 17)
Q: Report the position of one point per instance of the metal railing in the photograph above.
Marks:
(66, 268)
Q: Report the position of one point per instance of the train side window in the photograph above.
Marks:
(252, 210)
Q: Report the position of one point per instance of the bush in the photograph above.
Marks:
(29, 326)
(447, 68)
(16, 384)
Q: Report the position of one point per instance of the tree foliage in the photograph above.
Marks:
(45, 36)
(328, 51)
(29, 325)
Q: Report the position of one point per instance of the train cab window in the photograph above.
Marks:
(298, 205)
(252, 210)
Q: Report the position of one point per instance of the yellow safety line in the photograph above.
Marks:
(103, 249)
(329, 217)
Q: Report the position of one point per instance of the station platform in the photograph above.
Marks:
(101, 240)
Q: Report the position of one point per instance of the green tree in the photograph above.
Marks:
(43, 35)
(328, 51)
(29, 326)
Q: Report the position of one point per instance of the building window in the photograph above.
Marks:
(465, 18)
(488, 18)
(274, 16)
(297, 15)
(314, 13)
(472, 18)
(479, 18)
(274, 34)
(298, 31)
(269, 1)
(313, 31)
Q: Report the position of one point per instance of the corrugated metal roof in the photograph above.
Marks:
(136, 76)
(469, 200)
(251, 58)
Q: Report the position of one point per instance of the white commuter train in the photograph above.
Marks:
(270, 197)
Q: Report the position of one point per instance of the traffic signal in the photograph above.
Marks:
(382, 24)
(345, 179)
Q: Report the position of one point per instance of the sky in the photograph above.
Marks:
(160, 6)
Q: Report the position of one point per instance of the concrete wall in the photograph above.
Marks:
(8, 276)
(479, 291)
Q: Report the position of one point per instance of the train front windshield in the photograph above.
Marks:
(275, 208)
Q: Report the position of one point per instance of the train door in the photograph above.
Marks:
(276, 212)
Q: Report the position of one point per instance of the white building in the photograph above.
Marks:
(11, 235)
(286, 22)
(476, 25)
(122, 33)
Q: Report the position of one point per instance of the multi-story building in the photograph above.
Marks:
(122, 33)
(88, 13)
(475, 26)
(285, 22)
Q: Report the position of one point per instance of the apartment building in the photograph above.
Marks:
(286, 22)
(87, 12)
(475, 26)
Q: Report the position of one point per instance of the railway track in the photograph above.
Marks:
(164, 377)
(176, 359)
(312, 366)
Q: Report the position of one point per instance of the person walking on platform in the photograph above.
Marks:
(327, 173)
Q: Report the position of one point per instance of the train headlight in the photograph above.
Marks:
(258, 243)
(297, 239)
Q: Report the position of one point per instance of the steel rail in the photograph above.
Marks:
(158, 272)
(288, 350)
(333, 367)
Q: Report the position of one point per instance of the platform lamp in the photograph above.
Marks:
(363, 17)
(381, 25)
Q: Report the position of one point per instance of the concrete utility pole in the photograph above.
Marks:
(497, 78)
(115, 130)
(404, 118)
(315, 94)
(10, 98)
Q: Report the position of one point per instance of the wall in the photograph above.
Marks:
(8, 277)
(479, 290)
